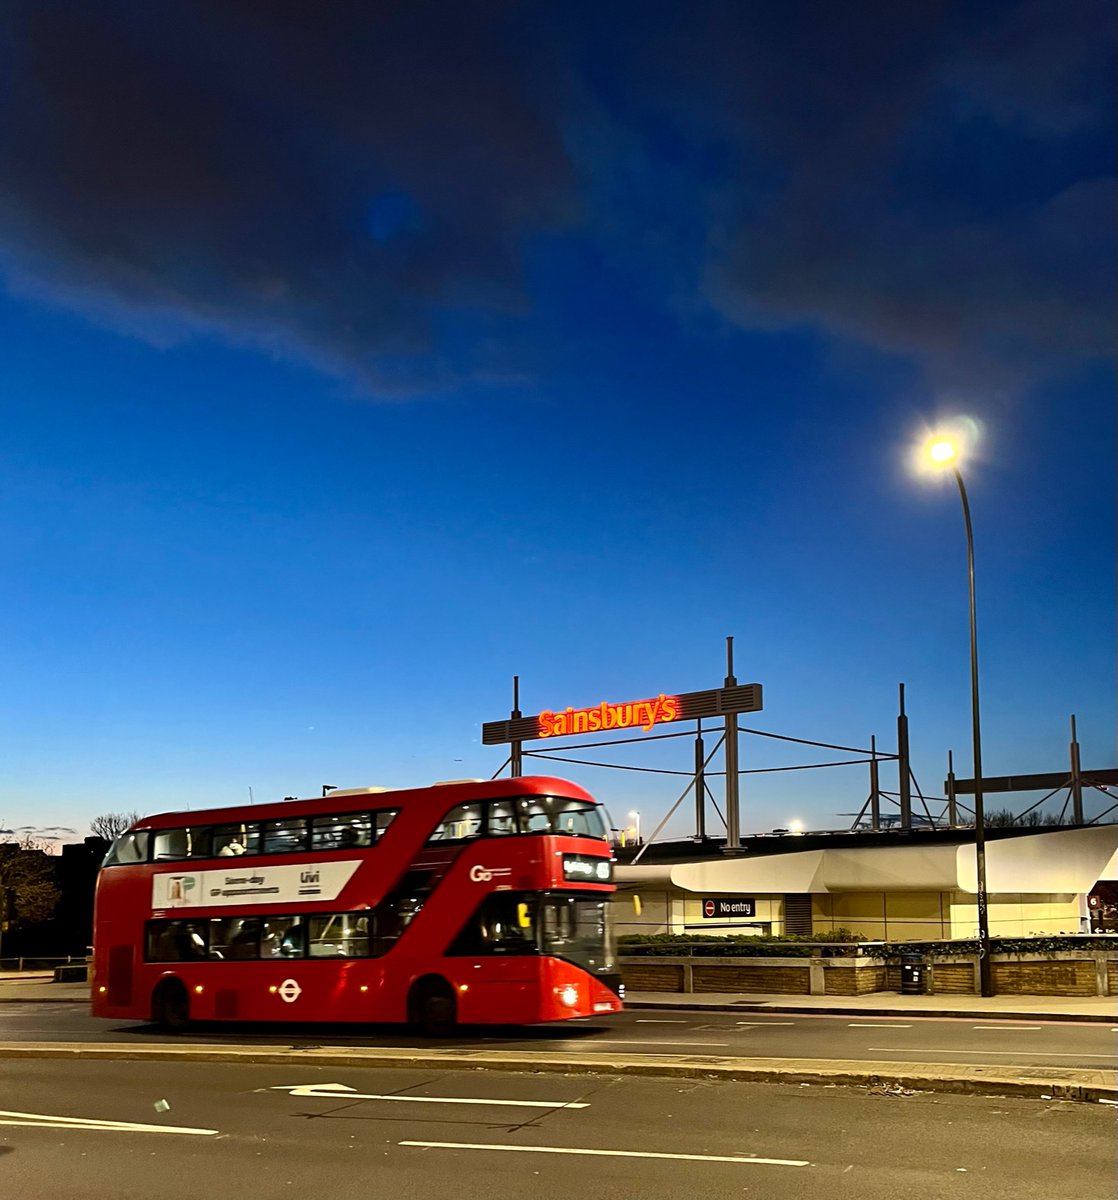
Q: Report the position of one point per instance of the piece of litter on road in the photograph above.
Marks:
(1044, 1096)
(161, 1106)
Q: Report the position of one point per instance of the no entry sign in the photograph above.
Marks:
(729, 908)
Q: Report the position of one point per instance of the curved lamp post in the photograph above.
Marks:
(945, 454)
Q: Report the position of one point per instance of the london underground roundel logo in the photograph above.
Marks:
(708, 908)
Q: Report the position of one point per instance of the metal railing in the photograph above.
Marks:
(38, 964)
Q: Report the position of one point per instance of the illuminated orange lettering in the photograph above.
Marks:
(643, 713)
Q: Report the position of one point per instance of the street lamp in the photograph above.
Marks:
(635, 817)
(944, 453)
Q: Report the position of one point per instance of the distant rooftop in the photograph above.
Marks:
(690, 849)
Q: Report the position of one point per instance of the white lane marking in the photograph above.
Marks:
(1027, 1053)
(745, 1162)
(658, 1021)
(868, 1025)
(339, 1091)
(658, 1042)
(1015, 1027)
(764, 1024)
(52, 1121)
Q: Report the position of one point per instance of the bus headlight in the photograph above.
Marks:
(568, 995)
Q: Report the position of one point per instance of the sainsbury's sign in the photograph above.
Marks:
(641, 714)
(633, 714)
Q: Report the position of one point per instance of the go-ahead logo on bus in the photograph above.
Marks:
(480, 874)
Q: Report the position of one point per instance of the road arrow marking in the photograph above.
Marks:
(339, 1091)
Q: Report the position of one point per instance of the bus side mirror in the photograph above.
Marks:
(636, 904)
(522, 917)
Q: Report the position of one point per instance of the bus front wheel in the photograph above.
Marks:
(170, 1006)
(432, 1006)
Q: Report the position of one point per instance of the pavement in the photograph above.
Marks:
(1037, 1082)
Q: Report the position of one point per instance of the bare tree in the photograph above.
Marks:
(1001, 817)
(27, 891)
(110, 825)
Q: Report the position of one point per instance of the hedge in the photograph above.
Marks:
(839, 943)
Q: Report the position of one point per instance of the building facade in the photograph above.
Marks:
(898, 885)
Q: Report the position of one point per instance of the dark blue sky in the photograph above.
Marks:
(359, 356)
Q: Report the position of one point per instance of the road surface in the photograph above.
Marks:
(117, 1131)
(795, 1036)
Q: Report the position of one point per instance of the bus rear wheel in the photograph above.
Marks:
(432, 1007)
(170, 1006)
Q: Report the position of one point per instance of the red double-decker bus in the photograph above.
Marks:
(468, 902)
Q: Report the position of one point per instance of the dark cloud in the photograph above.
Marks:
(947, 193)
(230, 165)
(361, 184)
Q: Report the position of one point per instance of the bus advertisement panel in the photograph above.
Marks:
(471, 902)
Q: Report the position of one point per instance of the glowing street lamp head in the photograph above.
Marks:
(944, 446)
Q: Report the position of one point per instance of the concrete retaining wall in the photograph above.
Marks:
(1054, 973)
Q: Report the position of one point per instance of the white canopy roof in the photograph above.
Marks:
(1052, 862)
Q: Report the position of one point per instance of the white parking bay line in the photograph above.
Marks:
(952, 1050)
(726, 1158)
(1014, 1027)
(53, 1121)
(868, 1025)
(658, 1042)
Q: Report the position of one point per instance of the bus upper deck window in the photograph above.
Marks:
(459, 824)
(284, 836)
(171, 844)
(502, 817)
(130, 847)
(348, 830)
(230, 840)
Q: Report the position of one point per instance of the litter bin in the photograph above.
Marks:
(914, 978)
